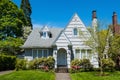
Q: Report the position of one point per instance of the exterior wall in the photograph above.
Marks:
(29, 54)
(62, 42)
(78, 41)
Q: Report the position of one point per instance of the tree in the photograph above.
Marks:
(26, 7)
(11, 20)
(11, 27)
(11, 46)
(114, 50)
(98, 41)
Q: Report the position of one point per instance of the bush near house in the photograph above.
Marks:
(108, 64)
(21, 64)
(80, 65)
(45, 64)
(7, 62)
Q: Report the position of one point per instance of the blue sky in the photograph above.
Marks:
(57, 13)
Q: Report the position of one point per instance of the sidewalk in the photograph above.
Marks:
(63, 76)
(5, 72)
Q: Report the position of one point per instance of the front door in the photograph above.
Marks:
(62, 57)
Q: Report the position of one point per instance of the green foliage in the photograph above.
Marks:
(108, 64)
(45, 64)
(11, 46)
(11, 20)
(7, 62)
(86, 65)
(28, 75)
(80, 65)
(21, 64)
(26, 7)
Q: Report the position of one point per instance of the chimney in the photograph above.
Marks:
(114, 19)
(94, 14)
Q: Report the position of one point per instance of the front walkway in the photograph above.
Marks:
(5, 72)
(62, 76)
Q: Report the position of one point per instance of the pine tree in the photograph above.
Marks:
(26, 7)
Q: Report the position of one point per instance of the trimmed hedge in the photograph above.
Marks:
(7, 62)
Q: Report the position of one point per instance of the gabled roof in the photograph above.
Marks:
(35, 41)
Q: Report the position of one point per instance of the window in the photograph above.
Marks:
(83, 55)
(39, 53)
(45, 53)
(28, 52)
(34, 53)
(44, 34)
(77, 51)
(89, 54)
(75, 31)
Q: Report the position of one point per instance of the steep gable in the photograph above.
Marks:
(82, 32)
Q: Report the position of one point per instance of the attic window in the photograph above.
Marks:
(75, 31)
(50, 35)
(44, 34)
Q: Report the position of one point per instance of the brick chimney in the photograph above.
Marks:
(114, 19)
(94, 14)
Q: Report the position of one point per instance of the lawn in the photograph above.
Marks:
(28, 75)
(93, 76)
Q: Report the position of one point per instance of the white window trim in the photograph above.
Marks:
(77, 32)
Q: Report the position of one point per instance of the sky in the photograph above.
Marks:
(58, 13)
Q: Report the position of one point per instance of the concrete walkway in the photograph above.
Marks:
(63, 76)
(5, 72)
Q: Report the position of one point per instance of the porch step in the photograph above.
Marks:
(62, 70)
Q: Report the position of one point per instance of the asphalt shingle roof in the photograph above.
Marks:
(34, 40)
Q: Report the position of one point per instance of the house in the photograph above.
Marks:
(63, 44)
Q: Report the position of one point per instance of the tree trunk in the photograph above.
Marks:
(101, 67)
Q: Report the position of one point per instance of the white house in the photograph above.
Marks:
(63, 44)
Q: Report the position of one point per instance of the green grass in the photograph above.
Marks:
(28, 75)
(93, 76)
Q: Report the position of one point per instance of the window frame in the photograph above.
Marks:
(42, 53)
(75, 31)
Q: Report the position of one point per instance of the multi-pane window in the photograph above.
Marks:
(38, 53)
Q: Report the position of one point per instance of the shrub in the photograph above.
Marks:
(75, 65)
(21, 64)
(50, 62)
(7, 62)
(80, 65)
(108, 64)
(86, 65)
(33, 64)
(42, 63)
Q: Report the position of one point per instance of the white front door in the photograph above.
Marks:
(62, 57)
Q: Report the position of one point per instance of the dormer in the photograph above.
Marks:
(45, 33)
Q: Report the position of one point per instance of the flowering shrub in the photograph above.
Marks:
(45, 64)
(80, 65)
